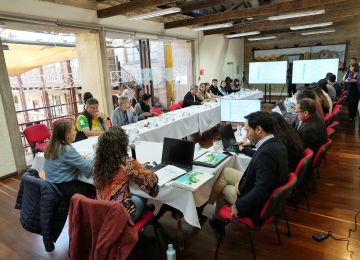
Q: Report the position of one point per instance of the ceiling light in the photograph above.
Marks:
(262, 38)
(213, 26)
(295, 15)
(318, 32)
(241, 34)
(314, 25)
(156, 13)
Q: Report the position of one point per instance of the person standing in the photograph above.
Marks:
(354, 95)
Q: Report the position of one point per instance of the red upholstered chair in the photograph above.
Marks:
(302, 170)
(319, 156)
(181, 102)
(273, 207)
(156, 110)
(328, 119)
(92, 205)
(174, 107)
(334, 124)
(36, 135)
(330, 132)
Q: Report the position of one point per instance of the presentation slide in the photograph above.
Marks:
(309, 71)
(234, 110)
(272, 72)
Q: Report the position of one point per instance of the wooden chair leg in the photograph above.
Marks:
(251, 243)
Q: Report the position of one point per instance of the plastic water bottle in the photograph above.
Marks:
(170, 253)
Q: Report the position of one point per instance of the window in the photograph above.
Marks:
(132, 55)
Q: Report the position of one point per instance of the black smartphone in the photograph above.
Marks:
(321, 236)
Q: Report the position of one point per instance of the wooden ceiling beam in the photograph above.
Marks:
(274, 9)
(201, 4)
(130, 6)
(332, 16)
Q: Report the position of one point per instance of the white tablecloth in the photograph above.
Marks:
(181, 199)
(185, 121)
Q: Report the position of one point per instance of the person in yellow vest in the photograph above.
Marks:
(90, 122)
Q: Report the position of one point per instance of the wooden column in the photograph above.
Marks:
(12, 156)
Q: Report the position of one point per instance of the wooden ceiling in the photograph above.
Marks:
(206, 12)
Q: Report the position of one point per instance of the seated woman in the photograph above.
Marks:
(63, 163)
(113, 169)
(142, 108)
(202, 94)
(208, 90)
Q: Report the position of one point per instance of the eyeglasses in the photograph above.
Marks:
(300, 111)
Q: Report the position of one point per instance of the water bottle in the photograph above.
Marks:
(170, 253)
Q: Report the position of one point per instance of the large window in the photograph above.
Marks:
(132, 55)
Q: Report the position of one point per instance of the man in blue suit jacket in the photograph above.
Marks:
(267, 170)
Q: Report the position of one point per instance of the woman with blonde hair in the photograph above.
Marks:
(63, 163)
(202, 94)
(114, 169)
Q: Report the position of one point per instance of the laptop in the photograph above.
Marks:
(176, 160)
(228, 139)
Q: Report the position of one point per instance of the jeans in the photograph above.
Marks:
(140, 204)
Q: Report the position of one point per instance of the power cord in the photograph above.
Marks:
(346, 238)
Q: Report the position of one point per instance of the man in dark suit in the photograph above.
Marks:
(214, 89)
(310, 127)
(190, 98)
(267, 170)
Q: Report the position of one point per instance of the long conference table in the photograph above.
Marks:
(186, 121)
(184, 200)
(176, 124)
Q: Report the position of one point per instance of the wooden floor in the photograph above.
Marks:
(332, 208)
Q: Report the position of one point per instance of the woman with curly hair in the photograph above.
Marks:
(113, 169)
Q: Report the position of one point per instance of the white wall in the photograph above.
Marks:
(219, 57)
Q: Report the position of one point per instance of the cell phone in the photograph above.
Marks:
(321, 236)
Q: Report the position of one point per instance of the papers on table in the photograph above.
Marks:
(168, 173)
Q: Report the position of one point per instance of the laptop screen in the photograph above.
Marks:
(227, 136)
(178, 152)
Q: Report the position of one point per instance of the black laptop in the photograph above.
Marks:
(228, 139)
(177, 152)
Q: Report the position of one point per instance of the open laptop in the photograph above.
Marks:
(228, 139)
(176, 160)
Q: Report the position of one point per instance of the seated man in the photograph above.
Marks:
(267, 170)
(142, 108)
(122, 114)
(331, 80)
(310, 127)
(90, 122)
(190, 98)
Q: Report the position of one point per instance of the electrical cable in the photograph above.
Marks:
(346, 238)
